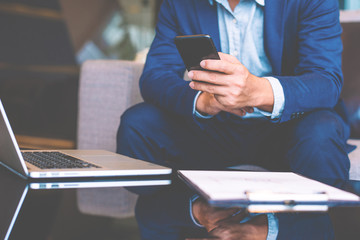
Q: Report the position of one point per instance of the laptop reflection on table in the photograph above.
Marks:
(14, 190)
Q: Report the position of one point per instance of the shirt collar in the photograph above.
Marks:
(260, 2)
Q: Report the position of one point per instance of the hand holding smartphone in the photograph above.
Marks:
(195, 48)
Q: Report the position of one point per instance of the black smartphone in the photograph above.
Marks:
(195, 48)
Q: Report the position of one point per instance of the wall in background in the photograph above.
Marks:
(349, 4)
(38, 72)
(43, 43)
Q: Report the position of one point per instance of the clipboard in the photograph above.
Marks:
(266, 191)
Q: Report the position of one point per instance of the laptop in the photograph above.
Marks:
(68, 163)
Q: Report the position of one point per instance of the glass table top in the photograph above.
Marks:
(25, 203)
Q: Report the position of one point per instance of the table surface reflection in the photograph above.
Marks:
(29, 208)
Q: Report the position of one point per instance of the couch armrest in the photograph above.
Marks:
(107, 88)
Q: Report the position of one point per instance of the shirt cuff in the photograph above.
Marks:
(196, 113)
(193, 199)
(273, 226)
(279, 99)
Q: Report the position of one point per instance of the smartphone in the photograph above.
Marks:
(195, 48)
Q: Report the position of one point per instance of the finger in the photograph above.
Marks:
(239, 112)
(220, 66)
(225, 213)
(227, 232)
(209, 88)
(228, 58)
(227, 106)
(237, 215)
(249, 109)
(209, 77)
(214, 216)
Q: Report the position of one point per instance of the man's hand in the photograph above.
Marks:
(208, 105)
(224, 223)
(232, 86)
(254, 229)
(211, 217)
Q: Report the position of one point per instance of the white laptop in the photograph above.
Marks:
(68, 163)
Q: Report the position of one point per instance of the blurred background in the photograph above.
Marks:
(42, 45)
(44, 42)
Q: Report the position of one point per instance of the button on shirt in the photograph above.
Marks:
(242, 35)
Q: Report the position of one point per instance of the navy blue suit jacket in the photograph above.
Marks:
(302, 40)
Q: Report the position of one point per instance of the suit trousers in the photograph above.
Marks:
(313, 145)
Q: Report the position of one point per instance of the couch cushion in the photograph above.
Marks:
(107, 89)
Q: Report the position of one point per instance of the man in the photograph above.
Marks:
(272, 100)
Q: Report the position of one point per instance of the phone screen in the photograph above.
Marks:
(195, 48)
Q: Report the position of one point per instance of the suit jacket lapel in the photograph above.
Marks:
(274, 32)
(207, 17)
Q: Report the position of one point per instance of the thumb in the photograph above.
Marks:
(239, 112)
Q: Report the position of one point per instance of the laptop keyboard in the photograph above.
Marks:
(55, 160)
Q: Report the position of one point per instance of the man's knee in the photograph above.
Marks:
(320, 128)
(136, 123)
(319, 146)
(139, 116)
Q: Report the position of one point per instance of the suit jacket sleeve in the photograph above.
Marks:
(317, 76)
(162, 80)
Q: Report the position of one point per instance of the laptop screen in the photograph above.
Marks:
(10, 154)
